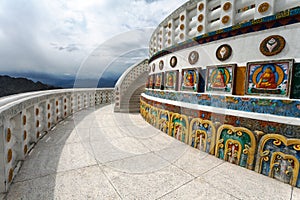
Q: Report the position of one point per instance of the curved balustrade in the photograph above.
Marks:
(26, 117)
(199, 17)
(129, 87)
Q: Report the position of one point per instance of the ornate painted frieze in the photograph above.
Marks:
(202, 135)
(280, 107)
(227, 137)
(163, 120)
(236, 145)
(278, 157)
(179, 127)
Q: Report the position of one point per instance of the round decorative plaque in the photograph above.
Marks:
(173, 61)
(161, 65)
(225, 19)
(226, 6)
(153, 67)
(223, 52)
(193, 57)
(264, 7)
(272, 45)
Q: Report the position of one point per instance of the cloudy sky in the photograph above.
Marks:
(67, 37)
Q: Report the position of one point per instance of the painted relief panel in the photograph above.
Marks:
(189, 80)
(153, 115)
(171, 80)
(164, 121)
(202, 135)
(219, 78)
(158, 81)
(278, 157)
(236, 145)
(179, 127)
(268, 78)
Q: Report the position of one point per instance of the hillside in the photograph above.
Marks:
(10, 85)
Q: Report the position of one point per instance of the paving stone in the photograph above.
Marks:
(84, 183)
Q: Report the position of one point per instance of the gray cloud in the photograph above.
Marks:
(70, 37)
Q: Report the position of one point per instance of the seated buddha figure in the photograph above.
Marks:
(170, 82)
(267, 79)
(189, 80)
(219, 81)
(158, 81)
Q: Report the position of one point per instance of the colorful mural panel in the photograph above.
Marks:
(269, 78)
(151, 81)
(171, 80)
(179, 127)
(202, 135)
(152, 116)
(279, 158)
(220, 78)
(189, 80)
(164, 121)
(158, 81)
(236, 145)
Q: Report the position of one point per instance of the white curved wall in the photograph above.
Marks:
(25, 118)
(245, 48)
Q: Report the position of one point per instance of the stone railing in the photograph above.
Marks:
(199, 17)
(25, 118)
(133, 79)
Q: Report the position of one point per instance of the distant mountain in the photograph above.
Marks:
(10, 85)
(66, 81)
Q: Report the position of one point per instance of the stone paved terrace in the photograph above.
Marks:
(99, 154)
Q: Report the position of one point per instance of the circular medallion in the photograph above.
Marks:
(199, 28)
(8, 135)
(200, 18)
(272, 45)
(225, 19)
(181, 27)
(10, 175)
(201, 6)
(182, 17)
(226, 6)
(181, 36)
(24, 135)
(173, 61)
(263, 7)
(25, 149)
(161, 65)
(9, 155)
(193, 57)
(153, 67)
(223, 52)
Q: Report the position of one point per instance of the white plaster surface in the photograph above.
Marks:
(131, 160)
